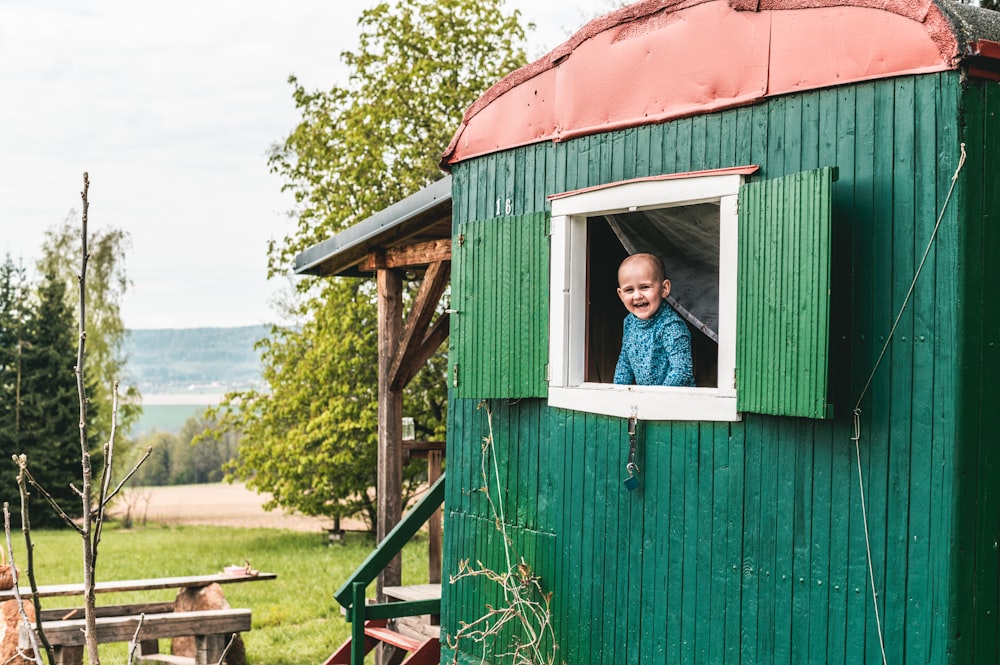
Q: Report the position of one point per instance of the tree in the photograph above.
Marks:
(186, 457)
(362, 147)
(49, 420)
(106, 331)
(14, 304)
(311, 438)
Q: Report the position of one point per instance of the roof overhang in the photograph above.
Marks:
(424, 217)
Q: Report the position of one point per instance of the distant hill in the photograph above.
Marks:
(200, 360)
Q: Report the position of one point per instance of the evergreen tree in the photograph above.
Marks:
(49, 431)
(13, 310)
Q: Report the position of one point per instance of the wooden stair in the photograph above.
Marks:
(418, 627)
(422, 652)
(420, 636)
(386, 622)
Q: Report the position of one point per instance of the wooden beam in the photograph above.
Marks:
(433, 286)
(416, 255)
(435, 338)
(422, 446)
(390, 419)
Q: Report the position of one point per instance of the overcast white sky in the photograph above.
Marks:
(171, 106)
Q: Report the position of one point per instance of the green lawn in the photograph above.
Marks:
(295, 618)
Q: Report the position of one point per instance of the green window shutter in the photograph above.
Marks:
(783, 301)
(500, 282)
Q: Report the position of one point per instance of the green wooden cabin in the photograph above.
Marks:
(816, 146)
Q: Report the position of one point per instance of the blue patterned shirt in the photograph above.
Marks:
(656, 351)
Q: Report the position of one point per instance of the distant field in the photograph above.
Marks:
(217, 504)
(165, 417)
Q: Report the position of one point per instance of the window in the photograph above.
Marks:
(691, 221)
(751, 269)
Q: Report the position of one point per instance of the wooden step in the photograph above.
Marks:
(397, 640)
(429, 653)
(426, 650)
(418, 628)
(413, 592)
(342, 656)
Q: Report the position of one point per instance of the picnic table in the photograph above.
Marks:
(211, 629)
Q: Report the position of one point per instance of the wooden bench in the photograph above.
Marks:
(211, 629)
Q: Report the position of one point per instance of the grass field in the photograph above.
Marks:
(295, 618)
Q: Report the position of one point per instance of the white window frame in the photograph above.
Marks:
(568, 302)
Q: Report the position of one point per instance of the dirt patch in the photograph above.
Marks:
(221, 504)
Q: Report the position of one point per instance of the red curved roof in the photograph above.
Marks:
(661, 59)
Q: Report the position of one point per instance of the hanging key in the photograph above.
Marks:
(632, 482)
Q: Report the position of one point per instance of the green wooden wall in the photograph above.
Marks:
(745, 543)
(783, 309)
(500, 327)
(976, 581)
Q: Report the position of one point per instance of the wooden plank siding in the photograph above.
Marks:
(977, 466)
(501, 307)
(745, 541)
(784, 285)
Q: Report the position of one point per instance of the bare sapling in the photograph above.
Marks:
(91, 525)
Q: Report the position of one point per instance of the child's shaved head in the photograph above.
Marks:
(653, 260)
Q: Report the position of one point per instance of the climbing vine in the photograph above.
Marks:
(526, 610)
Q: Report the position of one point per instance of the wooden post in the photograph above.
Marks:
(390, 419)
(434, 523)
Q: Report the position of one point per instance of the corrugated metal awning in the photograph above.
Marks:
(423, 216)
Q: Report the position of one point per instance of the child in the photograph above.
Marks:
(656, 343)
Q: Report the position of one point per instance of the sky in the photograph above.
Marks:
(171, 107)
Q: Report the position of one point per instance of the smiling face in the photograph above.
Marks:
(641, 285)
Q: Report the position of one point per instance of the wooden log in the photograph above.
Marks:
(390, 418)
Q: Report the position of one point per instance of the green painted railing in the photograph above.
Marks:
(351, 594)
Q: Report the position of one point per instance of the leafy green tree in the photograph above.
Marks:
(311, 438)
(107, 283)
(204, 458)
(363, 146)
(183, 458)
(156, 470)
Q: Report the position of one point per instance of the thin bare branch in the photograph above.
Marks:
(225, 652)
(134, 642)
(118, 488)
(110, 445)
(29, 546)
(109, 449)
(17, 592)
(87, 532)
(21, 461)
